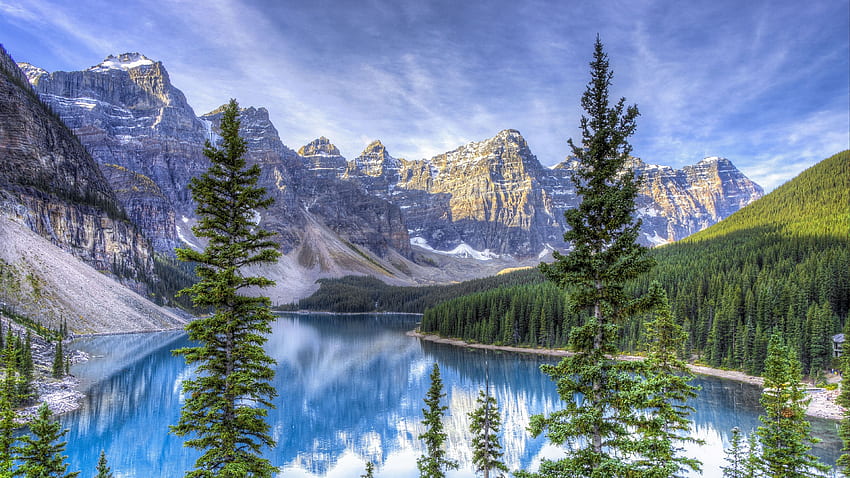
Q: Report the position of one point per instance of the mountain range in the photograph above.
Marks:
(470, 212)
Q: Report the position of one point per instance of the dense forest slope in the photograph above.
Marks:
(781, 264)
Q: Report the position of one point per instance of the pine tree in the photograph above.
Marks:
(485, 425)
(370, 470)
(433, 464)
(58, 361)
(224, 415)
(785, 437)
(752, 465)
(736, 456)
(605, 255)
(7, 420)
(41, 454)
(103, 471)
(666, 424)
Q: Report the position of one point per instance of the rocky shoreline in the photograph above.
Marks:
(822, 404)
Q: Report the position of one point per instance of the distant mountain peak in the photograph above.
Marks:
(34, 73)
(124, 61)
(320, 146)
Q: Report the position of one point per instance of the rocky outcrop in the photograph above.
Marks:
(49, 182)
(303, 194)
(322, 157)
(674, 204)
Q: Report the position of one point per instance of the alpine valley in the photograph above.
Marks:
(97, 163)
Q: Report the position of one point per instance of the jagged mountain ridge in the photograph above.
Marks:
(494, 196)
(387, 216)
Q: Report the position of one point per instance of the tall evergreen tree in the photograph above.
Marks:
(785, 436)
(103, 470)
(605, 255)
(7, 420)
(736, 456)
(224, 414)
(666, 424)
(433, 464)
(41, 453)
(485, 425)
(58, 361)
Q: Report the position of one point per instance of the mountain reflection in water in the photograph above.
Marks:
(350, 389)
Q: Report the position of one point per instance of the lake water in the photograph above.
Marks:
(350, 390)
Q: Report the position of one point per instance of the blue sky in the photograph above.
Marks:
(763, 83)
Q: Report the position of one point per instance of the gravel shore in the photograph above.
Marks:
(822, 404)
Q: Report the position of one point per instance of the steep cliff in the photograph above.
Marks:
(52, 184)
(128, 114)
(305, 191)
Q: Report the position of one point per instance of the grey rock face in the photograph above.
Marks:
(128, 114)
(52, 184)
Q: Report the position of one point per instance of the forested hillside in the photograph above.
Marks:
(781, 264)
(367, 294)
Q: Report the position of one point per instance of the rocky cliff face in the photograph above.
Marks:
(306, 189)
(483, 196)
(677, 203)
(128, 114)
(50, 183)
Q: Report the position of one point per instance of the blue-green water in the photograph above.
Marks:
(350, 390)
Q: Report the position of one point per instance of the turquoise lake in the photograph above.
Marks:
(350, 390)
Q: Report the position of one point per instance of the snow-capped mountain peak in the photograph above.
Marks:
(124, 61)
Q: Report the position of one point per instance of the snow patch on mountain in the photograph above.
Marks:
(124, 61)
(463, 250)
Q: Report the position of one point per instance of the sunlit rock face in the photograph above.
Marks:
(675, 203)
(494, 198)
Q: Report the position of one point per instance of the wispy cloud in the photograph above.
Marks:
(764, 84)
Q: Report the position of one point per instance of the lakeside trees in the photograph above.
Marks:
(224, 413)
(785, 437)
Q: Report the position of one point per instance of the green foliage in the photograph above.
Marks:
(485, 423)
(666, 423)
(434, 464)
(532, 315)
(736, 457)
(224, 414)
(785, 436)
(7, 419)
(604, 256)
(103, 471)
(370, 470)
(58, 369)
(843, 399)
(41, 453)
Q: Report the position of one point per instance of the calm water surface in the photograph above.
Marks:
(350, 390)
